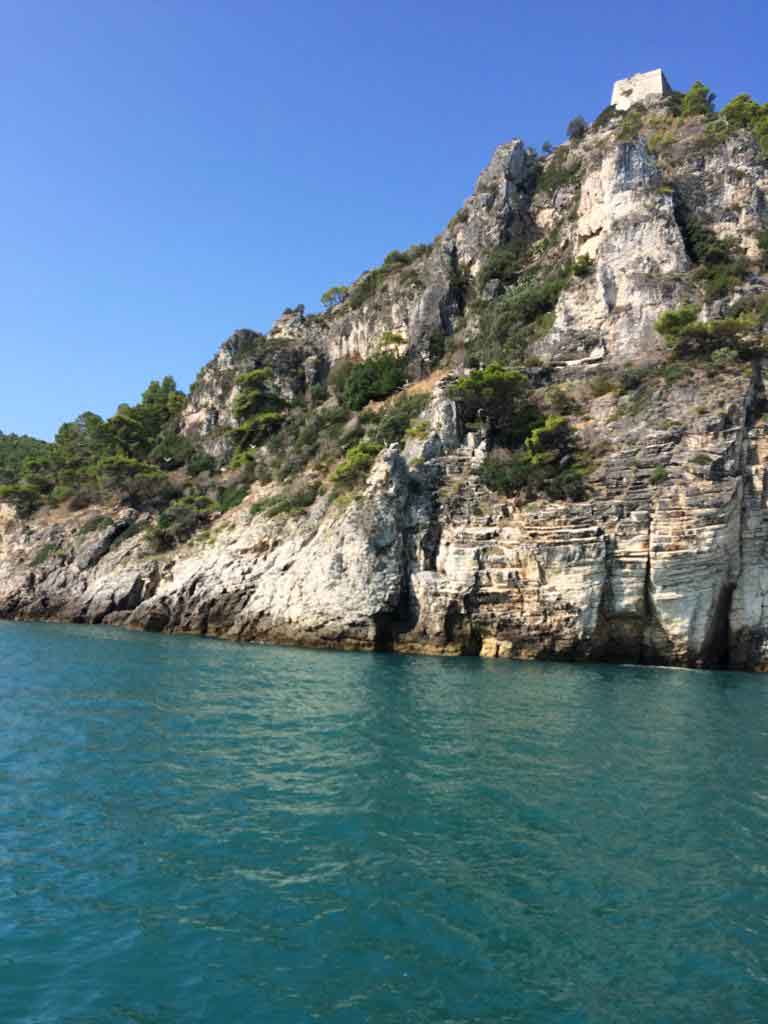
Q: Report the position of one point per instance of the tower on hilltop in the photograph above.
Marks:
(649, 85)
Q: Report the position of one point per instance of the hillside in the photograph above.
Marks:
(541, 435)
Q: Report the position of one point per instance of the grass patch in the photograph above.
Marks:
(44, 553)
(232, 496)
(95, 523)
(559, 171)
(288, 502)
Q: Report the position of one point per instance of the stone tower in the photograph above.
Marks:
(648, 85)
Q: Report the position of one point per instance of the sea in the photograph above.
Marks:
(193, 830)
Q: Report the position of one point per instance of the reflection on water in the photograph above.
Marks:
(198, 831)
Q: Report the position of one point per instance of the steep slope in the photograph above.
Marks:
(604, 498)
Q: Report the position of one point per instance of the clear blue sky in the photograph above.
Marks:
(173, 171)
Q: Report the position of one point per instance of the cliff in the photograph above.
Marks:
(645, 539)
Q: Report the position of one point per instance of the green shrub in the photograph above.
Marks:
(631, 124)
(743, 112)
(566, 485)
(720, 266)
(604, 118)
(24, 497)
(334, 296)
(80, 497)
(354, 467)
(258, 409)
(688, 336)
(139, 483)
(658, 475)
(751, 309)
(549, 442)
(723, 357)
(403, 259)
(673, 322)
(95, 523)
(560, 402)
(180, 520)
(530, 300)
(502, 396)
(63, 492)
(583, 266)
(437, 347)
(674, 102)
(365, 288)
(15, 449)
(509, 323)
(503, 264)
(419, 429)
(339, 373)
(577, 128)
(546, 465)
(505, 472)
(559, 171)
(460, 217)
(230, 497)
(698, 100)
(171, 451)
(374, 378)
(39, 472)
(633, 377)
(129, 453)
(673, 372)
(287, 502)
(137, 428)
(393, 423)
(762, 241)
(200, 462)
(602, 385)
(44, 553)
(720, 280)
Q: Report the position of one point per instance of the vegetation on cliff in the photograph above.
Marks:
(131, 454)
(15, 449)
(313, 431)
(531, 453)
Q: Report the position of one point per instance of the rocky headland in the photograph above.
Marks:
(543, 435)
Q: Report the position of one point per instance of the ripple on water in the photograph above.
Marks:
(196, 831)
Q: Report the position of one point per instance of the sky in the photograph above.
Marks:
(172, 171)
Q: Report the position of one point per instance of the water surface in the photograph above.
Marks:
(198, 831)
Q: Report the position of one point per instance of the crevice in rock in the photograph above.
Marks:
(715, 651)
(648, 605)
(472, 643)
(741, 651)
(384, 632)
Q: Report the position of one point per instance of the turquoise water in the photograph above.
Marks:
(197, 831)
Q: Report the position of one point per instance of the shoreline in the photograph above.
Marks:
(415, 650)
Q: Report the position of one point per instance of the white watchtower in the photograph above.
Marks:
(649, 85)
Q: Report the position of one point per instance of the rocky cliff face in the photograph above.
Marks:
(665, 558)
